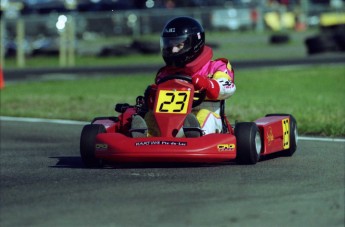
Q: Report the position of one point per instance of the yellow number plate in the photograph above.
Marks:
(286, 133)
(173, 102)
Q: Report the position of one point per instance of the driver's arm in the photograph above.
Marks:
(219, 87)
(221, 84)
(226, 84)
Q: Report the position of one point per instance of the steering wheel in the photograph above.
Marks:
(199, 95)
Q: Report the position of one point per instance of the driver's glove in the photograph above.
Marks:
(210, 85)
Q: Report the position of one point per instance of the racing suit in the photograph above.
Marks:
(219, 76)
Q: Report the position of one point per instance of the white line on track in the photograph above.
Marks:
(326, 139)
(70, 122)
(42, 120)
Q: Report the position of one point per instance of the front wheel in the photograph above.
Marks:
(249, 143)
(87, 145)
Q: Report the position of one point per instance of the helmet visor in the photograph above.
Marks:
(173, 46)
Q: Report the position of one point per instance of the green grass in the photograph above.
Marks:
(313, 94)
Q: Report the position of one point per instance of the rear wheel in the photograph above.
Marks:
(249, 143)
(87, 145)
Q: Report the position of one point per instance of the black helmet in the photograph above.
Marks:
(182, 41)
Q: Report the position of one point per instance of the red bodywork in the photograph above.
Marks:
(116, 144)
(274, 132)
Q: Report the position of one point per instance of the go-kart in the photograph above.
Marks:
(109, 138)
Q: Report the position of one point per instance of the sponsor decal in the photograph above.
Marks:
(170, 30)
(227, 84)
(226, 147)
(270, 136)
(160, 142)
(101, 147)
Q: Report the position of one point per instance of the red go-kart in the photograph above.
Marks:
(109, 138)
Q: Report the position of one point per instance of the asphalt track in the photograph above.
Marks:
(43, 183)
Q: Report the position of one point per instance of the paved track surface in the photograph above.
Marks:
(43, 183)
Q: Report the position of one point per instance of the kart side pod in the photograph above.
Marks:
(279, 133)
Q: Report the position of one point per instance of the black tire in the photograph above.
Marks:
(293, 135)
(87, 145)
(279, 39)
(146, 47)
(339, 38)
(249, 143)
(320, 44)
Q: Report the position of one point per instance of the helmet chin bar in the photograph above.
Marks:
(174, 61)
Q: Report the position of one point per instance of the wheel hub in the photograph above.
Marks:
(258, 143)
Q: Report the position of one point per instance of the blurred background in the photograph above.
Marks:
(76, 32)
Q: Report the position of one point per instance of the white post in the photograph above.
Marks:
(20, 42)
(71, 41)
(2, 43)
(62, 49)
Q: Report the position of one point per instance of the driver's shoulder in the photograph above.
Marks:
(218, 62)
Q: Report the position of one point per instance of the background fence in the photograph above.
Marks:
(60, 33)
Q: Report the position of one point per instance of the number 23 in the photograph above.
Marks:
(179, 103)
